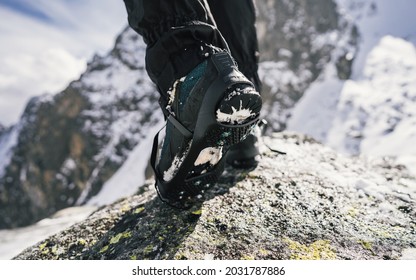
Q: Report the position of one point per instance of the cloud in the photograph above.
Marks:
(24, 75)
(41, 56)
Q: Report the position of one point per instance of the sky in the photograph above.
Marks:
(46, 44)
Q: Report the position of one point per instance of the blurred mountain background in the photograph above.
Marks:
(341, 71)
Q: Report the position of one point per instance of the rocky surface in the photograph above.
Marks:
(302, 201)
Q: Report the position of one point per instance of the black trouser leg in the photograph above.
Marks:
(235, 20)
(178, 32)
(175, 32)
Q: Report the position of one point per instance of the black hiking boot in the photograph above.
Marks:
(214, 107)
(244, 155)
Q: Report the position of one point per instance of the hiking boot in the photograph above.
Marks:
(214, 107)
(244, 155)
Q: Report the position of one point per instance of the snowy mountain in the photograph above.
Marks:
(90, 143)
(297, 40)
(373, 112)
(340, 71)
(66, 146)
(377, 112)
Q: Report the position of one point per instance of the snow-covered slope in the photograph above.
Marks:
(130, 176)
(374, 112)
(13, 241)
(124, 112)
(8, 139)
(296, 42)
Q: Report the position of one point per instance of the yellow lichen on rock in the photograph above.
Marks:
(82, 242)
(138, 210)
(118, 237)
(247, 258)
(43, 245)
(366, 244)
(149, 249)
(197, 212)
(319, 250)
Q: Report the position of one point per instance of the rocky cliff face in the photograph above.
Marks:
(297, 40)
(67, 146)
(70, 144)
(310, 203)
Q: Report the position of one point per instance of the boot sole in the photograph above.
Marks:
(182, 190)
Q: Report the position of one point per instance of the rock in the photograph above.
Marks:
(310, 203)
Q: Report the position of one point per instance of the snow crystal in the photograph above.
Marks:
(210, 155)
(370, 188)
(238, 116)
(69, 164)
(172, 94)
(176, 163)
